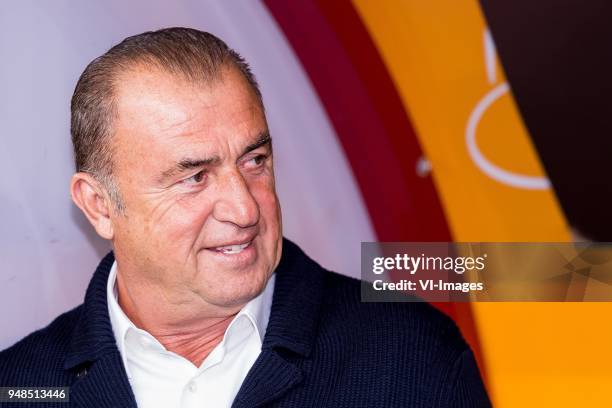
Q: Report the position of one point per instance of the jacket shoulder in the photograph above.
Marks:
(417, 349)
(39, 357)
(415, 322)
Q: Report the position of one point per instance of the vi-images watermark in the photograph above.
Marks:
(422, 263)
(485, 271)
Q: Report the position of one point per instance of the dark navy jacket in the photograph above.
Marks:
(323, 348)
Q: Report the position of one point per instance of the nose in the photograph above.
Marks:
(236, 204)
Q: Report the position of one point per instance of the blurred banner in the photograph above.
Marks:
(442, 60)
(558, 59)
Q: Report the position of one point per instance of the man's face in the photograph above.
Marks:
(193, 164)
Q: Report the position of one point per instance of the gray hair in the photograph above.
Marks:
(195, 55)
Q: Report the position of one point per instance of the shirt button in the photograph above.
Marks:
(193, 387)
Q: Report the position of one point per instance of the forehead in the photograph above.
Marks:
(151, 103)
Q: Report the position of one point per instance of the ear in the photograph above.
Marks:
(89, 195)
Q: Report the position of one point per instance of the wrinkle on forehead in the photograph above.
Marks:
(159, 102)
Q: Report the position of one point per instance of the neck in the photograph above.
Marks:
(188, 329)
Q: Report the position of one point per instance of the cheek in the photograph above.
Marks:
(185, 221)
(170, 224)
(269, 208)
(271, 224)
(271, 217)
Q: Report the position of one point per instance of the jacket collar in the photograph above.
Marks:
(93, 354)
(93, 335)
(296, 302)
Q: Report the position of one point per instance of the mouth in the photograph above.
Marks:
(235, 254)
(233, 248)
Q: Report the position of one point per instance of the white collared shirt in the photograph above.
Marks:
(161, 378)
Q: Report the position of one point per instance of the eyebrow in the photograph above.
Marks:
(263, 139)
(189, 163)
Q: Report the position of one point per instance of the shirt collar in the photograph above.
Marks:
(257, 311)
(119, 321)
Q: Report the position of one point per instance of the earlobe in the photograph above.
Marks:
(91, 198)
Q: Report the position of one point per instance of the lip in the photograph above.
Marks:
(240, 259)
(244, 245)
(238, 241)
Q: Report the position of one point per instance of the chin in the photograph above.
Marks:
(230, 298)
(236, 290)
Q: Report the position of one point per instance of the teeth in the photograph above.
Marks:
(232, 249)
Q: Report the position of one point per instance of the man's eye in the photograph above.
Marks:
(196, 178)
(257, 160)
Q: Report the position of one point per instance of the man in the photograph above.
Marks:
(202, 302)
